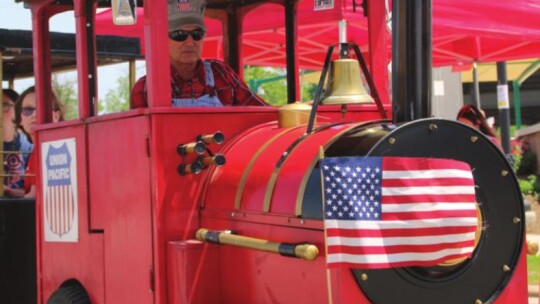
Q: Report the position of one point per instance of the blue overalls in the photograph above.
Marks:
(205, 100)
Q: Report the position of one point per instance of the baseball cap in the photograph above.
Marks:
(186, 12)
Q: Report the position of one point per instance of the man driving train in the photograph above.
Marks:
(196, 82)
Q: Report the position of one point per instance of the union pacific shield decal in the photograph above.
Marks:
(59, 181)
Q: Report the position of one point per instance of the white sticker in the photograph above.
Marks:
(503, 101)
(438, 88)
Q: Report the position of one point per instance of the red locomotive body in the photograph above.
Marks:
(128, 204)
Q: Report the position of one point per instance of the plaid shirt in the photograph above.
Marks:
(231, 90)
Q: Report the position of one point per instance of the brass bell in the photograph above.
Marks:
(344, 85)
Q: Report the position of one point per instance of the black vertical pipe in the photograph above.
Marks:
(503, 103)
(291, 49)
(234, 32)
(411, 59)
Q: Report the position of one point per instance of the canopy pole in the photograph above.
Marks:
(476, 86)
(504, 106)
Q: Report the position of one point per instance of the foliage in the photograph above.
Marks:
(273, 92)
(65, 91)
(517, 161)
(530, 186)
(533, 269)
(525, 186)
(527, 164)
(271, 85)
(116, 100)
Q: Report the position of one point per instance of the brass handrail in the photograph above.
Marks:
(304, 251)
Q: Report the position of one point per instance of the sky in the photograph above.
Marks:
(15, 16)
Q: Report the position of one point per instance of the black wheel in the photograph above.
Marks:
(70, 293)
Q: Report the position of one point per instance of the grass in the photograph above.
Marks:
(533, 269)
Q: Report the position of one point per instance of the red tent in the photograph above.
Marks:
(463, 31)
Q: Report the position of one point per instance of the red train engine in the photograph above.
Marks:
(191, 205)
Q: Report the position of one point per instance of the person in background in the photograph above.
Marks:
(195, 82)
(16, 147)
(527, 165)
(25, 118)
(474, 117)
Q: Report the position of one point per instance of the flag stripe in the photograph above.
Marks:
(421, 206)
(429, 215)
(412, 224)
(423, 248)
(427, 190)
(447, 198)
(418, 182)
(399, 257)
(398, 232)
(427, 174)
(410, 164)
(394, 241)
(361, 261)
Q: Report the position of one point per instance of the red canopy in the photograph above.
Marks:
(463, 31)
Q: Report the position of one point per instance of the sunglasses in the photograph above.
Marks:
(27, 111)
(181, 35)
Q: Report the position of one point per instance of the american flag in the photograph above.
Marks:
(382, 212)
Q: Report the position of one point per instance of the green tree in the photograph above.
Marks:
(65, 91)
(116, 100)
(271, 85)
(308, 91)
(274, 92)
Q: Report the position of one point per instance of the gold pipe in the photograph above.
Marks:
(191, 148)
(216, 138)
(307, 252)
(218, 160)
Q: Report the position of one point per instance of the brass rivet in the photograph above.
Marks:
(364, 277)
(516, 220)
(504, 173)
(506, 268)
(474, 139)
(433, 127)
(478, 301)
(391, 140)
